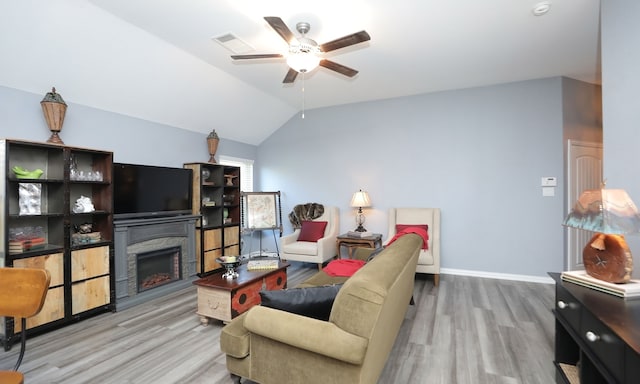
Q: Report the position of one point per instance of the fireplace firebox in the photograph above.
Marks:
(158, 267)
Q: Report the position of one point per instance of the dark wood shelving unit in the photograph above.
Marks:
(216, 199)
(81, 278)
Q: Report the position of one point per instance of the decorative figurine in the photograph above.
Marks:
(212, 143)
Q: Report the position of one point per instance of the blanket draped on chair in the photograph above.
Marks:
(305, 212)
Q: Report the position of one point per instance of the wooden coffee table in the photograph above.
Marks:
(225, 299)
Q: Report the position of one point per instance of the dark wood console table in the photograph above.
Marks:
(352, 242)
(597, 336)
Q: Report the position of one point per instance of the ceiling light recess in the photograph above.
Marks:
(541, 8)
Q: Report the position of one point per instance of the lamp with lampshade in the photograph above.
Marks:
(611, 214)
(360, 200)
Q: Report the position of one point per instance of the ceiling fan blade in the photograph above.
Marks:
(290, 77)
(332, 65)
(257, 56)
(345, 41)
(279, 26)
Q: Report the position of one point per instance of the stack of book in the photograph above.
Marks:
(262, 264)
(19, 246)
(627, 291)
(359, 234)
(85, 238)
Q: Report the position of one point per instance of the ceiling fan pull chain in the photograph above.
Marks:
(303, 95)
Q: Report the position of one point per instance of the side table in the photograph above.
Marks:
(352, 242)
(597, 339)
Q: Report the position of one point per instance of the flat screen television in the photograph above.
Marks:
(141, 191)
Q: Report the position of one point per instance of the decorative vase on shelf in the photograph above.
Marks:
(212, 143)
(54, 109)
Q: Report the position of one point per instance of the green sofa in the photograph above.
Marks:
(267, 345)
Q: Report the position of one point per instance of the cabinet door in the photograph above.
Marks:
(212, 239)
(231, 236)
(90, 278)
(53, 308)
(90, 294)
(88, 263)
(212, 249)
(52, 263)
(210, 262)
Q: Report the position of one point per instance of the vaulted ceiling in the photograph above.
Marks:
(158, 59)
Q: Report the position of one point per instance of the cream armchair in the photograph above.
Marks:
(313, 252)
(429, 259)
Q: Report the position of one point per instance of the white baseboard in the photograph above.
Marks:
(494, 275)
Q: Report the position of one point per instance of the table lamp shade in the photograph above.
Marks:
(609, 211)
(360, 199)
(611, 214)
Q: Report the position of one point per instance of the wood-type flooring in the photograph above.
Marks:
(468, 330)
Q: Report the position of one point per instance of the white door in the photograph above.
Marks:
(584, 172)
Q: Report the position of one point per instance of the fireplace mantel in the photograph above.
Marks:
(133, 236)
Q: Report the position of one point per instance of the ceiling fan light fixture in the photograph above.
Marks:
(303, 55)
(303, 62)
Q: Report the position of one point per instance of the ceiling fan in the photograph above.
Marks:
(305, 54)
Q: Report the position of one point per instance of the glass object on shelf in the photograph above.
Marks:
(77, 175)
(22, 239)
(73, 164)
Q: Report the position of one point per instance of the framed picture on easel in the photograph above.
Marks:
(262, 210)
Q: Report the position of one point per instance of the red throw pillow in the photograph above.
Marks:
(312, 230)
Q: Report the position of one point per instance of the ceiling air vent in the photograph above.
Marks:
(233, 43)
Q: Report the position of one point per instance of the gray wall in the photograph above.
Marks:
(478, 154)
(131, 139)
(621, 103)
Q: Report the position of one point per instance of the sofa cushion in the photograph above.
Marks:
(321, 278)
(313, 302)
(301, 248)
(312, 230)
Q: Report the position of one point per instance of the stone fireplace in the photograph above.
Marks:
(153, 257)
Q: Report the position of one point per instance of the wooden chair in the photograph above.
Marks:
(22, 295)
